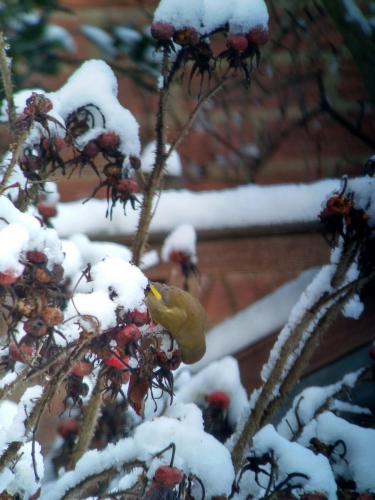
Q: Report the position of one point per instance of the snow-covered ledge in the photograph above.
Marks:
(245, 207)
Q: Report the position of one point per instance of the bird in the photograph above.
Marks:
(182, 316)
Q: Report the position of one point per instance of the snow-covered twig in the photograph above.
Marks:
(296, 344)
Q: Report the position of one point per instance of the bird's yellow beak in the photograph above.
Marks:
(155, 292)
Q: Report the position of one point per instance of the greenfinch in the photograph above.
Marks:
(182, 316)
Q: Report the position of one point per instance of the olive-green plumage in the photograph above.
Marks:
(183, 316)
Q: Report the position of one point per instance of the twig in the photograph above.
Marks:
(265, 404)
(189, 123)
(90, 417)
(151, 187)
(16, 152)
(90, 483)
(7, 82)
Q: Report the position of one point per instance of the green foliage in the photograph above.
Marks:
(34, 47)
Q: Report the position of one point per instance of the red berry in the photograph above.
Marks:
(59, 143)
(117, 361)
(125, 377)
(68, 427)
(47, 211)
(179, 257)
(186, 36)
(130, 333)
(218, 399)
(56, 143)
(7, 278)
(238, 43)
(42, 276)
(30, 163)
(168, 476)
(35, 327)
(139, 318)
(52, 316)
(36, 257)
(126, 186)
(81, 369)
(91, 150)
(258, 36)
(22, 352)
(162, 31)
(109, 141)
(371, 352)
(57, 273)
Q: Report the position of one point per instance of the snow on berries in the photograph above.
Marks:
(206, 16)
(189, 27)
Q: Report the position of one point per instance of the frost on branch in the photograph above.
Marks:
(348, 219)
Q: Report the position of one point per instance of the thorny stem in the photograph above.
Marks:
(162, 156)
(27, 376)
(16, 152)
(189, 123)
(50, 390)
(91, 482)
(153, 183)
(91, 414)
(301, 363)
(7, 82)
(325, 405)
(264, 403)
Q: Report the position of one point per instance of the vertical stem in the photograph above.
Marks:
(91, 414)
(153, 183)
(7, 82)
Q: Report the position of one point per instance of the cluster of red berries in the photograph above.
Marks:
(194, 47)
(37, 301)
(189, 36)
(341, 218)
(103, 154)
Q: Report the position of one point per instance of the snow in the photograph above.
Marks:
(57, 34)
(100, 38)
(24, 482)
(208, 15)
(223, 375)
(310, 400)
(182, 239)
(116, 284)
(126, 482)
(320, 285)
(294, 458)
(196, 452)
(180, 14)
(353, 15)
(124, 278)
(358, 462)
(92, 462)
(95, 83)
(248, 14)
(128, 36)
(353, 308)
(21, 232)
(260, 319)
(173, 164)
(244, 206)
